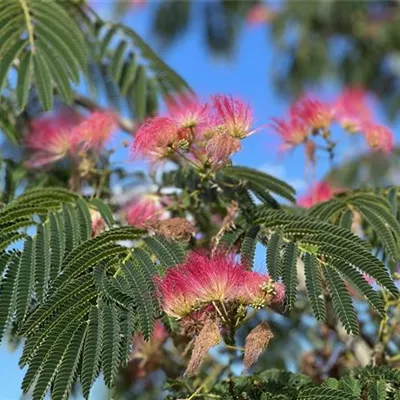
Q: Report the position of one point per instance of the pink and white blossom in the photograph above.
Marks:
(352, 109)
(144, 208)
(321, 191)
(378, 137)
(49, 138)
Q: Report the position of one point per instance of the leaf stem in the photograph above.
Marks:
(29, 25)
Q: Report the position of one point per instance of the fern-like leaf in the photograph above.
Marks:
(84, 220)
(324, 393)
(289, 273)
(26, 277)
(110, 352)
(7, 293)
(315, 293)
(55, 358)
(168, 252)
(92, 350)
(51, 39)
(273, 256)
(68, 368)
(42, 260)
(359, 282)
(144, 301)
(269, 183)
(249, 243)
(341, 301)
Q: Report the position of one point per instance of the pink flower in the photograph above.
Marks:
(219, 148)
(233, 116)
(378, 137)
(178, 297)
(147, 355)
(157, 138)
(322, 191)
(260, 290)
(258, 14)
(50, 138)
(202, 280)
(187, 111)
(145, 348)
(352, 109)
(93, 132)
(293, 131)
(98, 224)
(143, 209)
(137, 3)
(313, 112)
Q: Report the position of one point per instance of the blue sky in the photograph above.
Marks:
(247, 74)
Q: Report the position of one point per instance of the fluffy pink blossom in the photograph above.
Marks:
(321, 191)
(293, 130)
(219, 148)
(94, 131)
(138, 3)
(146, 355)
(192, 126)
(49, 138)
(378, 137)
(187, 111)
(98, 224)
(313, 112)
(157, 138)
(144, 208)
(177, 296)
(198, 282)
(260, 290)
(202, 280)
(352, 109)
(258, 14)
(234, 116)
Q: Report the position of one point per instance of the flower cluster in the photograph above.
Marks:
(321, 191)
(144, 208)
(147, 356)
(204, 280)
(309, 117)
(259, 14)
(66, 133)
(204, 133)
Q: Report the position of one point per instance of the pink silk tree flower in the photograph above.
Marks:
(259, 14)
(143, 209)
(321, 191)
(214, 278)
(293, 131)
(260, 290)
(219, 148)
(138, 3)
(146, 356)
(50, 139)
(157, 138)
(199, 281)
(351, 109)
(177, 295)
(378, 137)
(234, 116)
(187, 111)
(94, 132)
(313, 112)
(98, 223)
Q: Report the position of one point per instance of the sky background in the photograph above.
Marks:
(246, 74)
